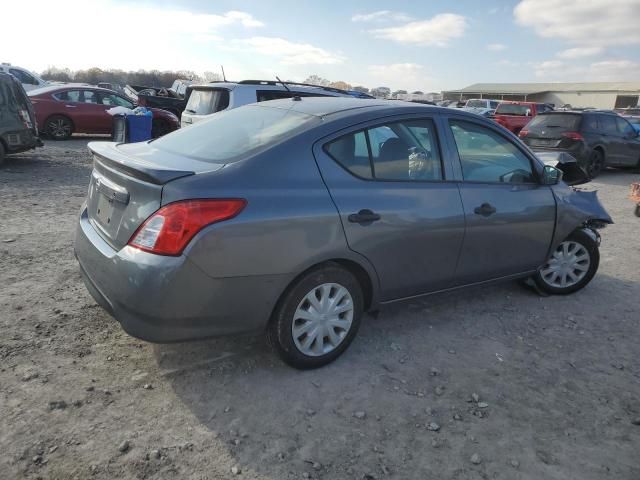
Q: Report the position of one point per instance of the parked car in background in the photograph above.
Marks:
(62, 110)
(597, 139)
(29, 80)
(515, 115)
(634, 121)
(18, 132)
(210, 98)
(481, 106)
(291, 217)
(158, 97)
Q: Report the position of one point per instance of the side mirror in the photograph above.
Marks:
(551, 175)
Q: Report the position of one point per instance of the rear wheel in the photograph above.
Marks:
(58, 127)
(596, 163)
(317, 318)
(1, 153)
(571, 266)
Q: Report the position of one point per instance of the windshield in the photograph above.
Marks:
(205, 102)
(512, 109)
(235, 134)
(477, 104)
(567, 121)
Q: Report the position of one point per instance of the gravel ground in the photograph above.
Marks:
(492, 383)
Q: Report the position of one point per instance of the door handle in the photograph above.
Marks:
(364, 216)
(486, 210)
(70, 106)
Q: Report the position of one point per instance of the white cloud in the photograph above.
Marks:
(290, 53)
(580, 52)
(598, 23)
(106, 42)
(436, 31)
(496, 47)
(380, 16)
(410, 76)
(616, 70)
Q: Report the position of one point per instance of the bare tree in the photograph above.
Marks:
(341, 85)
(317, 80)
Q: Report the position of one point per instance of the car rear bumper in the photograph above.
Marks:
(168, 299)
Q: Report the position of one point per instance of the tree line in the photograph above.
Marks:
(157, 78)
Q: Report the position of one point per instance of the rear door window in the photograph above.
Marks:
(89, 96)
(607, 124)
(207, 101)
(401, 151)
(624, 127)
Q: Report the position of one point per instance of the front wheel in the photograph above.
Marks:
(317, 318)
(571, 266)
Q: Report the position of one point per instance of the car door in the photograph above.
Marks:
(615, 148)
(630, 143)
(510, 217)
(398, 206)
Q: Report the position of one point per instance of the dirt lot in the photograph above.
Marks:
(557, 379)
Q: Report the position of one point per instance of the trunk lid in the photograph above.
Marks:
(126, 185)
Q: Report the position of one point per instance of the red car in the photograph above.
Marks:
(62, 110)
(515, 115)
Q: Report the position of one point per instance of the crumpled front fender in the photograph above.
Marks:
(576, 209)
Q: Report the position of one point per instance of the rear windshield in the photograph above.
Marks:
(234, 134)
(477, 104)
(204, 102)
(567, 121)
(512, 109)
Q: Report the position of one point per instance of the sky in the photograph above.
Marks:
(428, 45)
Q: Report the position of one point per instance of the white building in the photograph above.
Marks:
(605, 95)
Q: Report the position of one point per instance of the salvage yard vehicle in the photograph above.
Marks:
(18, 131)
(29, 80)
(213, 97)
(295, 216)
(170, 99)
(481, 106)
(596, 138)
(515, 115)
(62, 110)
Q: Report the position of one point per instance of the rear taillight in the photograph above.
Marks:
(169, 230)
(523, 133)
(573, 136)
(26, 119)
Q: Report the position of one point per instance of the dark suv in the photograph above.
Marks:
(595, 138)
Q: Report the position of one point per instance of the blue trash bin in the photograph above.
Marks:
(139, 128)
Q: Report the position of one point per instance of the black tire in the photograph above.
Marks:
(591, 246)
(596, 163)
(2, 153)
(636, 210)
(58, 127)
(279, 331)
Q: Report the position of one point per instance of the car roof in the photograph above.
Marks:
(68, 86)
(327, 106)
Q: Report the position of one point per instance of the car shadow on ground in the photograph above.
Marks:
(274, 418)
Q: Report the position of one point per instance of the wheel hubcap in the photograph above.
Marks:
(322, 320)
(59, 128)
(567, 266)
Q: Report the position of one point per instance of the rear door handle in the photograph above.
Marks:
(486, 210)
(364, 216)
(70, 106)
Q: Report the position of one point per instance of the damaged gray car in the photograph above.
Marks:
(296, 216)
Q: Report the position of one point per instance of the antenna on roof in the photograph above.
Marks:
(223, 76)
(283, 84)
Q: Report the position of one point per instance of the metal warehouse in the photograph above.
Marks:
(598, 94)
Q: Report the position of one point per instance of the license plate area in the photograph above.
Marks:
(104, 210)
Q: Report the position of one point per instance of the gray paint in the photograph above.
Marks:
(298, 202)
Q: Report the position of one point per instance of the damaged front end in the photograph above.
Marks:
(578, 209)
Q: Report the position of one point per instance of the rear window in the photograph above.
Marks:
(235, 134)
(566, 121)
(205, 102)
(512, 109)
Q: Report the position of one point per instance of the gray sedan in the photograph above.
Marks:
(296, 216)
